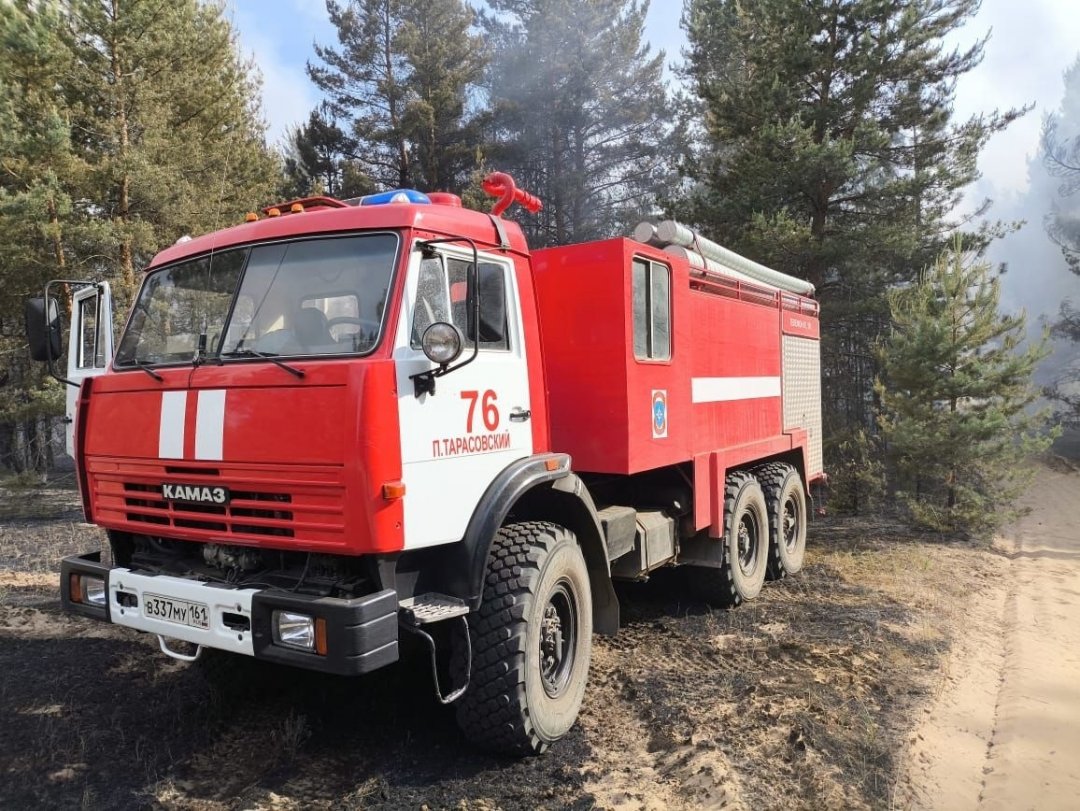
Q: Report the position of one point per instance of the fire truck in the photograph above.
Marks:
(344, 423)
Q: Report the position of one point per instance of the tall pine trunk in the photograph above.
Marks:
(123, 203)
(558, 186)
(392, 98)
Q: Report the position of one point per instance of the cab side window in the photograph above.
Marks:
(442, 294)
(432, 298)
(651, 283)
(492, 282)
(91, 348)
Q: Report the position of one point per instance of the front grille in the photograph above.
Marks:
(305, 503)
(265, 510)
(248, 512)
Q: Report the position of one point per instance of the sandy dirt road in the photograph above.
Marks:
(1005, 731)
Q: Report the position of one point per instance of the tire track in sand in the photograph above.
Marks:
(1004, 733)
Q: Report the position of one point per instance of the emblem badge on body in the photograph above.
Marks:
(659, 413)
(195, 493)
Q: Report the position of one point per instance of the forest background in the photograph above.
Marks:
(819, 137)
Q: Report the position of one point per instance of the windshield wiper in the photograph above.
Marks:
(251, 353)
(140, 365)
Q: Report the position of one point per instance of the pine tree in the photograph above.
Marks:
(1061, 156)
(35, 216)
(828, 151)
(581, 113)
(1060, 149)
(447, 61)
(1064, 391)
(318, 161)
(956, 394)
(124, 124)
(166, 115)
(401, 75)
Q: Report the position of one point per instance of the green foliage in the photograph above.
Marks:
(957, 395)
(828, 124)
(22, 481)
(1064, 390)
(123, 125)
(36, 214)
(400, 79)
(828, 150)
(317, 161)
(581, 114)
(166, 119)
(857, 474)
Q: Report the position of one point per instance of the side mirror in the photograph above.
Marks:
(43, 328)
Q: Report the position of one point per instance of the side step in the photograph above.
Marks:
(432, 607)
(426, 609)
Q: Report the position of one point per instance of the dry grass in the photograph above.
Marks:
(799, 700)
(806, 693)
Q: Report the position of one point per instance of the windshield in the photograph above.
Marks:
(321, 296)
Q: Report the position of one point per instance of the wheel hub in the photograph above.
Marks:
(791, 525)
(747, 538)
(557, 630)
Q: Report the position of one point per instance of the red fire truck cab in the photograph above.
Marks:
(343, 422)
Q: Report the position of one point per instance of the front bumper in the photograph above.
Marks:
(362, 633)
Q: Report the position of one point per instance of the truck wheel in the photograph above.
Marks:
(531, 640)
(786, 499)
(746, 545)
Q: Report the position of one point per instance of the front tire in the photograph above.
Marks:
(746, 543)
(531, 640)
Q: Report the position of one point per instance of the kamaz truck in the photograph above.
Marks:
(343, 422)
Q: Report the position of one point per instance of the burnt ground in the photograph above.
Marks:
(802, 699)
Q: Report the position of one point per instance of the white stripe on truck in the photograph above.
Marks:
(210, 424)
(171, 427)
(725, 389)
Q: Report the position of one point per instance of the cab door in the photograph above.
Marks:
(90, 347)
(455, 441)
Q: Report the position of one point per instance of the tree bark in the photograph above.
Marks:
(123, 203)
(392, 97)
(558, 182)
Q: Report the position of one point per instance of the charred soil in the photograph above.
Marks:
(801, 699)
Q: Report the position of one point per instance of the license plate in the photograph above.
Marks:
(195, 615)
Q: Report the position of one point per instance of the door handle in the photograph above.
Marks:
(519, 415)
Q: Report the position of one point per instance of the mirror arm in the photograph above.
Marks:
(424, 382)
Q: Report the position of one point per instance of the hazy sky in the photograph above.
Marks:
(1031, 44)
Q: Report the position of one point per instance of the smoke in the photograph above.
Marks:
(1036, 277)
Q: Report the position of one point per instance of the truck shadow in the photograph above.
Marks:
(96, 717)
(105, 721)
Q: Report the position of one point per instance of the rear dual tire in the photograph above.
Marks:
(785, 497)
(745, 553)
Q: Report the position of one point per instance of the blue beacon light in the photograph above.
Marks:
(395, 196)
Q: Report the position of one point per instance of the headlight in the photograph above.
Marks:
(294, 630)
(94, 590)
(87, 589)
(442, 343)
